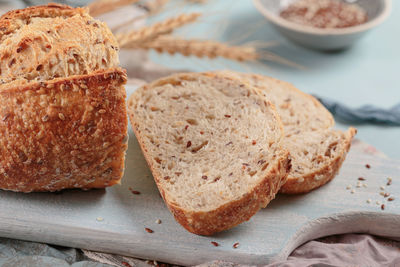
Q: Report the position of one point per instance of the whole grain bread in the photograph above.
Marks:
(213, 145)
(317, 151)
(63, 118)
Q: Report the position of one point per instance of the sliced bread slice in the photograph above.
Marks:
(317, 157)
(213, 145)
(316, 150)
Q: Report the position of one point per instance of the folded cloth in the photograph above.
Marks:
(338, 250)
(364, 114)
(345, 250)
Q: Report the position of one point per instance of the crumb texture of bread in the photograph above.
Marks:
(316, 150)
(54, 41)
(63, 117)
(213, 145)
(298, 111)
(317, 158)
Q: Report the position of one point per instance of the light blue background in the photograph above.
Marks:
(368, 73)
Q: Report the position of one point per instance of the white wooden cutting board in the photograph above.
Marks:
(114, 220)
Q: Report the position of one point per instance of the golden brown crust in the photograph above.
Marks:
(7, 24)
(321, 176)
(232, 213)
(63, 133)
(52, 41)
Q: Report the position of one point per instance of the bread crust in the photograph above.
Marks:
(52, 41)
(231, 214)
(63, 133)
(321, 176)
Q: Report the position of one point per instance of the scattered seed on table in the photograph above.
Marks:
(368, 201)
(236, 245)
(367, 166)
(214, 243)
(382, 193)
(359, 184)
(134, 191)
(149, 230)
(386, 194)
(382, 206)
(353, 191)
(99, 219)
(382, 187)
(378, 203)
(348, 187)
(365, 185)
(361, 178)
(158, 221)
(390, 198)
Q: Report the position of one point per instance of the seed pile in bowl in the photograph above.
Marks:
(325, 14)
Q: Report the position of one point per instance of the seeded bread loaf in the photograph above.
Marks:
(317, 151)
(213, 145)
(63, 120)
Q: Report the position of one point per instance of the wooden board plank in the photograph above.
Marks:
(72, 218)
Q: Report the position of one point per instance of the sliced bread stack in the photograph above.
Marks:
(317, 151)
(219, 149)
(214, 145)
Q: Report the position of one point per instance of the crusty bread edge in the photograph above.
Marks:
(233, 213)
(321, 176)
(95, 78)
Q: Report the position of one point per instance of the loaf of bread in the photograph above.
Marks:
(213, 145)
(316, 150)
(63, 120)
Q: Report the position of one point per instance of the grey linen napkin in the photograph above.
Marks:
(364, 114)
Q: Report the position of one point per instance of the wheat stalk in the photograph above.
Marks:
(99, 7)
(154, 7)
(198, 48)
(148, 33)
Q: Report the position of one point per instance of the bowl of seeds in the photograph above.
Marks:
(324, 24)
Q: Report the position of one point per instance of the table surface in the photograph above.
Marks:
(367, 73)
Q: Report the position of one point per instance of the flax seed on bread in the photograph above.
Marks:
(317, 151)
(63, 121)
(213, 145)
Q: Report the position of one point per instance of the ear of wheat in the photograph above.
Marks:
(151, 32)
(198, 48)
(155, 6)
(157, 36)
(99, 7)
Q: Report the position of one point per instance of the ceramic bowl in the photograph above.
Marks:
(324, 39)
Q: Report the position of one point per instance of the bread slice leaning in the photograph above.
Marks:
(213, 145)
(317, 151)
